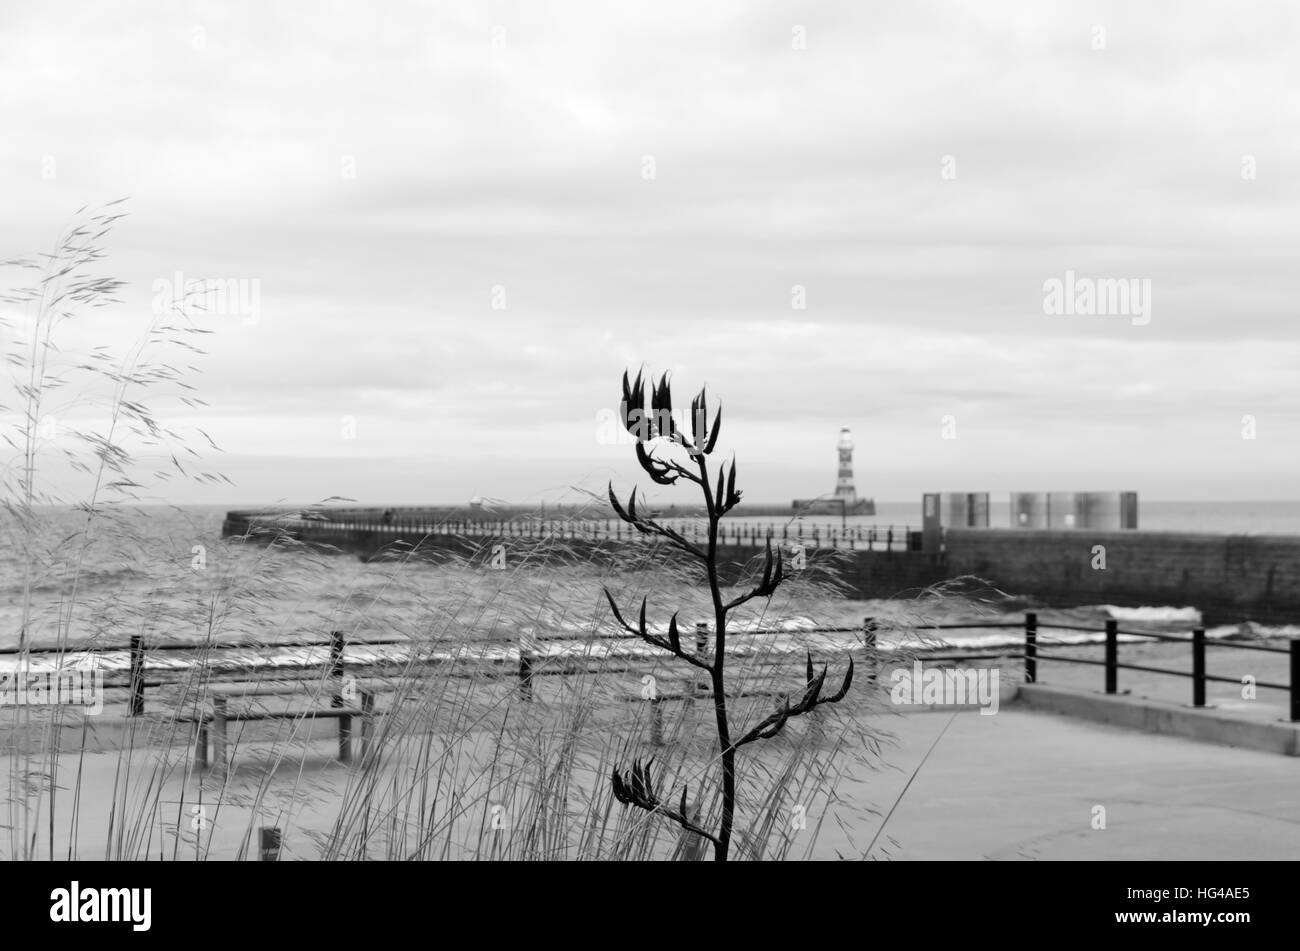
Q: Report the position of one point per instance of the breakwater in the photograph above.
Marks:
(865, 562)
(1228, 577)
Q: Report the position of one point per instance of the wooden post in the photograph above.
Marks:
(201, 744)
(656, 722)
(1112, 656)
(1198, 667)
(219, 733)
(1031, 647)
(690, 846)
(137, 675)
(367, 721)
(270, 844)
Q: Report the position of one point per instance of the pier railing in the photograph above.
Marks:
(884, 538)
(1196, 640)
(523, 657)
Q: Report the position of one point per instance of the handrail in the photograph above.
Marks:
(621, 634)
(1172, 673)
(1198, 674)
(870, 629)
(200, 646)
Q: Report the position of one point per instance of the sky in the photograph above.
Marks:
(447, 229)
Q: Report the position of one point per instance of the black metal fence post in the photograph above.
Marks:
(527, 652)
(1198, 667)
(345, 739)
(137, 675)
(1031, 647)
(525, 678)
(702, 685)
(270, 844)
(1295, 680)
(336, 667)
(1112, 656)
(525, 667)
(869, 638)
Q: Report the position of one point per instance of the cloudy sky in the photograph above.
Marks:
(454, 225)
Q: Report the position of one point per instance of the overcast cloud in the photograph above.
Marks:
(391, 174)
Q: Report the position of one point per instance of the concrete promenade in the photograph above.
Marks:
(1018, 785)
(1024, 785)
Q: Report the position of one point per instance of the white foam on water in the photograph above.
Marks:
(1253, 630)
(1154, 615)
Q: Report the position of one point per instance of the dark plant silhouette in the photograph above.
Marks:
(654, 429)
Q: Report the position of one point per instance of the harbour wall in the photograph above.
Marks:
(888, 571)
(1228, 577)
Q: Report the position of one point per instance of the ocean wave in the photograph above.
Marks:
(1154, 615)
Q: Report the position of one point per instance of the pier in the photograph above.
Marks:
(1231, 578)
(428, 525)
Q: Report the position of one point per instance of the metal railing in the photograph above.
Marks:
(1197, 641)
(333, 663)
(885, 538)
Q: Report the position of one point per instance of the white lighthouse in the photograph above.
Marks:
(844, 480)
(844, 500)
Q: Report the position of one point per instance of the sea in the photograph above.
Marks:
(166, 574)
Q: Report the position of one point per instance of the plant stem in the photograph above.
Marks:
(723, 845)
